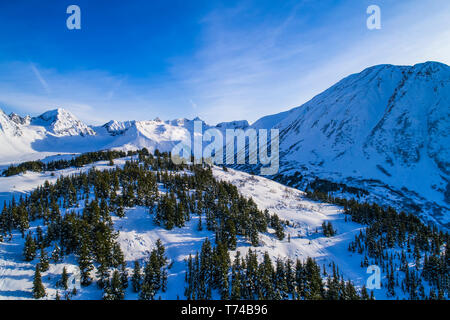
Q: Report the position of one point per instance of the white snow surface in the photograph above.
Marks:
(138, 234)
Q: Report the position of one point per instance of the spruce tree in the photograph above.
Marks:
(38, 287)
(136, 278)
(29, 251)
(64, 279)
(114, 290)
(44, 261)
(85, 262)
(56, 254)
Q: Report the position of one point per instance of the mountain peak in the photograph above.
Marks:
(431, 68)
(237, 124)
(8, 126)
(62, 123)
(19, 119)
(56, 114)
(434, 64)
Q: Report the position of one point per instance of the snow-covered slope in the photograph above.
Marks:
(388, 125)
(138, 234)
(16, 138)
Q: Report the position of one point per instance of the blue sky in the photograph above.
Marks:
(220, 60)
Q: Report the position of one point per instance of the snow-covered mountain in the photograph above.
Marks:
(61, 122)
(59, 131)
(386, 127)
(385, 130)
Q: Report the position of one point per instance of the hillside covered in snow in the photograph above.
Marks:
(140, 202)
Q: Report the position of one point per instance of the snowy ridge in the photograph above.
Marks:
(59, 131)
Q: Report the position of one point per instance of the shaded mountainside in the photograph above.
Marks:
(385, 128)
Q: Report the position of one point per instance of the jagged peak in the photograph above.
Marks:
(62, 123)
(57, 114)
(19, 119)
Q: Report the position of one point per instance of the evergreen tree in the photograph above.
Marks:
(44, 261)
(29, 251)
(114, 290)
(85, 263)
(38, 287)
(136, 278)
(56, 254)
(64, 279)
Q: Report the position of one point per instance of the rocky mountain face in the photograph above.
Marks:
(61, 122)
(10, 125)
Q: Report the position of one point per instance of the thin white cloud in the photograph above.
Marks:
(193, 104)
(39, 77)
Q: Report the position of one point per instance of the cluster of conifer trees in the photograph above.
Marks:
(395, 241)
(413, 256)
(327, 229)
(211, 274)
(226, 212)
(79, 161)
(154, 276)
(76, 218)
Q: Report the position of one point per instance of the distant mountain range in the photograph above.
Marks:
(386, 129)
(59, 131)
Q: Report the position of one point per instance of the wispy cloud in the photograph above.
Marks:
(40, 78)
